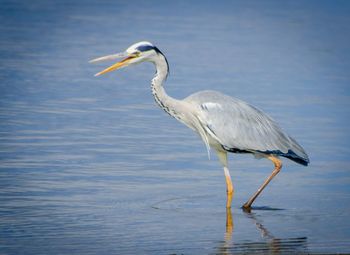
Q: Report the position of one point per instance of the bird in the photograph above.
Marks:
(225, 124)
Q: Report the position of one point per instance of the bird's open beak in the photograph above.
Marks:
(117, 65)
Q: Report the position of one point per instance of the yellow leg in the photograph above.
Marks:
(229, 187)
(278, 166)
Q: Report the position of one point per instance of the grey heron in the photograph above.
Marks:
(224, 123)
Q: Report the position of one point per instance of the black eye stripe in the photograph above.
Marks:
(145, 48)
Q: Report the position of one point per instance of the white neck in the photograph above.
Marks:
(179, 109)
(170, 105)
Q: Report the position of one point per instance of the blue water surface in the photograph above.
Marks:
(93, 166)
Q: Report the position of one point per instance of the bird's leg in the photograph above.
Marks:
(229, 187)
(278, 166)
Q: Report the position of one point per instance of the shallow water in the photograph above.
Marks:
(92, 166)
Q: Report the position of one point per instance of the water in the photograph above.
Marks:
(92, 166)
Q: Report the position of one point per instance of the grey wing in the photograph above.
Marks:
(238, 126)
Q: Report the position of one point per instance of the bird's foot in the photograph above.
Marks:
(247, 208)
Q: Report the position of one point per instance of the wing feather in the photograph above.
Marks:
(240, 126)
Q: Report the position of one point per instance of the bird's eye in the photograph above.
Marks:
(137, 53)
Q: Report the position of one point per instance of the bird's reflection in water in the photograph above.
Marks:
(228, 244)
(269, 245)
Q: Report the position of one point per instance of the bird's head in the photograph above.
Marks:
(135, 54)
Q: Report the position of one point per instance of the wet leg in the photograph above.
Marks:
(278, 166)
(229, 187)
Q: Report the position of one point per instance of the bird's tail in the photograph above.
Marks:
(296, 153)
(298, 159)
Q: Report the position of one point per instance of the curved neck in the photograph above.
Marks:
(179, 109)
(170, 105)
